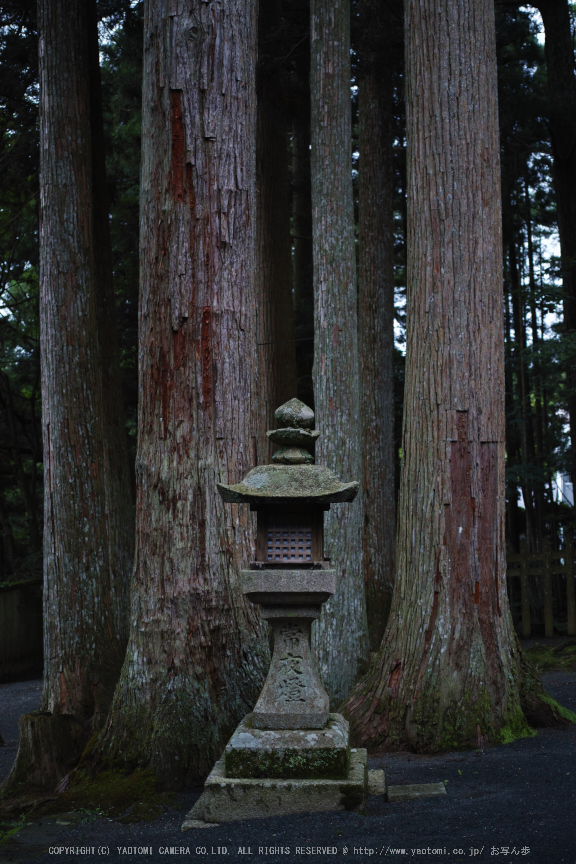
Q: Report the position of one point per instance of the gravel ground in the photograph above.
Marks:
(516, 802)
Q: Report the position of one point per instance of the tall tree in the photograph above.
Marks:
(87, 508)
(275, 307)
(450, 667)
(302, 257)
(341, 633)
(379, 47)
(196, 655)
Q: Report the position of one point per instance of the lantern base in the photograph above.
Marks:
(229, 799)
(300, 754)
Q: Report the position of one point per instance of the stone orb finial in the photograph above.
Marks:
(295, 435)
(295, 414)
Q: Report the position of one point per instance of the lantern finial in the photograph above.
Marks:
(295, 435)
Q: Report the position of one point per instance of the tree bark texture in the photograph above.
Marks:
(559, 53)
(275, 307)
(378, 28)
(87, 509)
(196, 655)
(302, 255)
(449, 666)
(341, 641)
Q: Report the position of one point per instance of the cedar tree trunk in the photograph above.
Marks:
(275, 310)
(302, 260)
(196, 655)
(341, 641)
(450, 669)
(378, 30)
(87, 508)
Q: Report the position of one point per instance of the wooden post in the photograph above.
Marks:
(570, 598)
(548, 612)
(524, 589)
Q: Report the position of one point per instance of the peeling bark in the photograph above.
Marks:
(450, 661)
(87, 510)
(197, 653)
(341, 641)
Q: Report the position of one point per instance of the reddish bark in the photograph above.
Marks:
(197, 654)
(450, 661)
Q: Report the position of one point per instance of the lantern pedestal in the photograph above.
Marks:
(290, 755)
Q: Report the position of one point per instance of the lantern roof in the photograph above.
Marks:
(293, 478)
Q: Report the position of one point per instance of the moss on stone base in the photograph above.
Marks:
(288, 764)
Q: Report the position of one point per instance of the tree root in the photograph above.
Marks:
(540, 710)
(50, 746)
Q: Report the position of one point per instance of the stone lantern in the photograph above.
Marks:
(291, 754)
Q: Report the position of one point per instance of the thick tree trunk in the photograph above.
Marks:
(87, 512)
(450, 667)
(379, 28)
(275, 307)
(302, 260)
(196, 656)
(341, 633)
(559, 52)
(118, 490)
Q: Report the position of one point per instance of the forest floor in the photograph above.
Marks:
(514, 802)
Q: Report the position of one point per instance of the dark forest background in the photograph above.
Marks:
(539, 345)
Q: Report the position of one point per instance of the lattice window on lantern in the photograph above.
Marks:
(289, 541)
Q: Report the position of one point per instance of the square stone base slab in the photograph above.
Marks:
(415, 790)
(285, 754)
(227, 799)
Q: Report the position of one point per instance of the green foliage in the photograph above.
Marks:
(10, 829)
(20, 408)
